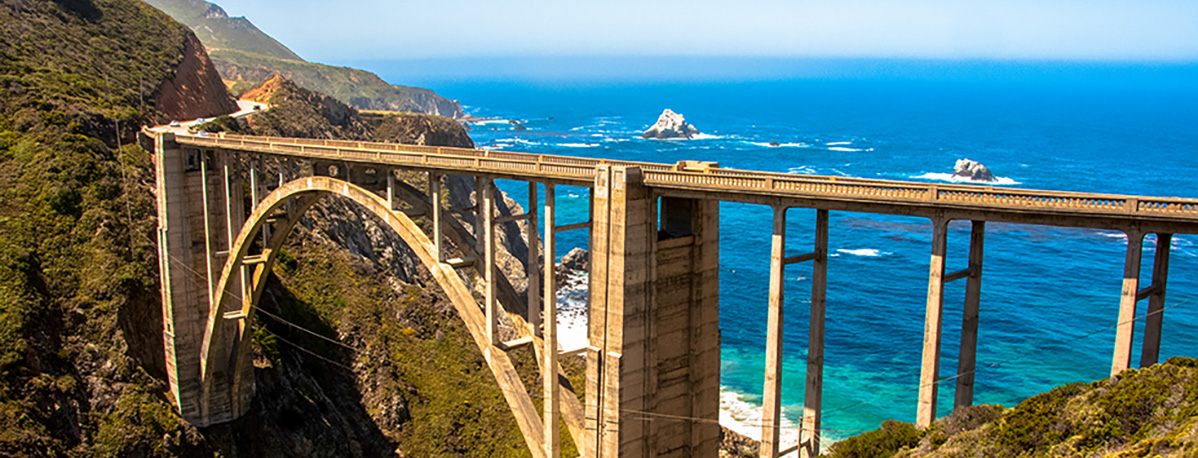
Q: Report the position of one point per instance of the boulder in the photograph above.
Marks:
(576, 259)
(972, 170)
(670, 125)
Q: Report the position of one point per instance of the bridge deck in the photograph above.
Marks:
(952, 201)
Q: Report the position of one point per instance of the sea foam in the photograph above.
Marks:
(780, 145)
(865, 252)
(572, 317)
(956, 179)
(745, 417)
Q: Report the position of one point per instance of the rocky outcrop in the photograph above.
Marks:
(196, 89)
(418, 129)
(972, 170)
(736, 445)
(577, 259)
(430, 102)
(671, 125)
(298, 112)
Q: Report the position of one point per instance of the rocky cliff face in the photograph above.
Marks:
(196, 89)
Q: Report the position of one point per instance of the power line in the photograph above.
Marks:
(305, 350)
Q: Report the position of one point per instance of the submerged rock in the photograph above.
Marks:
(670, 125)
(972, 170)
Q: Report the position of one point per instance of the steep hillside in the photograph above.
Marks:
(1151, 412)
(298, 112)
(80, 332)
(247, 57)
(219, 31)
(359, 88)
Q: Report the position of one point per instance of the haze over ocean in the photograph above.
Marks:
(1050, 295)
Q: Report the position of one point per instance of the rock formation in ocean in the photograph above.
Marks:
(671, 125)
(576, 259)
(972, 170)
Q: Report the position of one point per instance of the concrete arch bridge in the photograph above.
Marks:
(654, 347)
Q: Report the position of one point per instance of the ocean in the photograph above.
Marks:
(1050, 295)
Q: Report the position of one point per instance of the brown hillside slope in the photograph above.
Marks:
(196, 90)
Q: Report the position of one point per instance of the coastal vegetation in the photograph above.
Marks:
(1146, 412)
(78, 270)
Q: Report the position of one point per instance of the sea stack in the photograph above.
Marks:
(972, 170)
(670, 125)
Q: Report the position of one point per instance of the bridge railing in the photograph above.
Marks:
(717, 179)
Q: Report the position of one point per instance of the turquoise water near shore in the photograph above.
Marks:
(1050, 295)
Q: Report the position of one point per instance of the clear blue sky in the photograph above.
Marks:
(352, 30)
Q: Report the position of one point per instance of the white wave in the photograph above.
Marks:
(514, 140)
(956, 179)
(490, 121)
(866, 252)
(695, 137)
(578, 145)
(838, 143)
(802, 170)
(744, 417)
(572, 318)
(780, 145)
(850, 150)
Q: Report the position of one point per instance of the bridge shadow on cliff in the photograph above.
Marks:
(307, 401)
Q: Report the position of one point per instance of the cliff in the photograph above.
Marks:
(1147, 412)
(246, 57)
(195, 90)
(219, 31)
(80, 332)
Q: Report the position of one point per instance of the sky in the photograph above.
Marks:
(1085, 30)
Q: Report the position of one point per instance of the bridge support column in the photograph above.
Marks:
(434, 191)
(533, 266)
(653, 359)
(930, 370)
(196, 212)
(486, 214)
(771, 418)
(1125, 327)
(813, 401)
(237, 399)
(552, 400)
(1150, 354)
(967, 362)
(771, 427)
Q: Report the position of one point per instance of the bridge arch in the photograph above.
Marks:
(226, 377)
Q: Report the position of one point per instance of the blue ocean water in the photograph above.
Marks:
(1050, 295)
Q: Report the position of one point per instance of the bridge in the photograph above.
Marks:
(654, 347)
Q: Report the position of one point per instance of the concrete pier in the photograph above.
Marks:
(653, 363)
